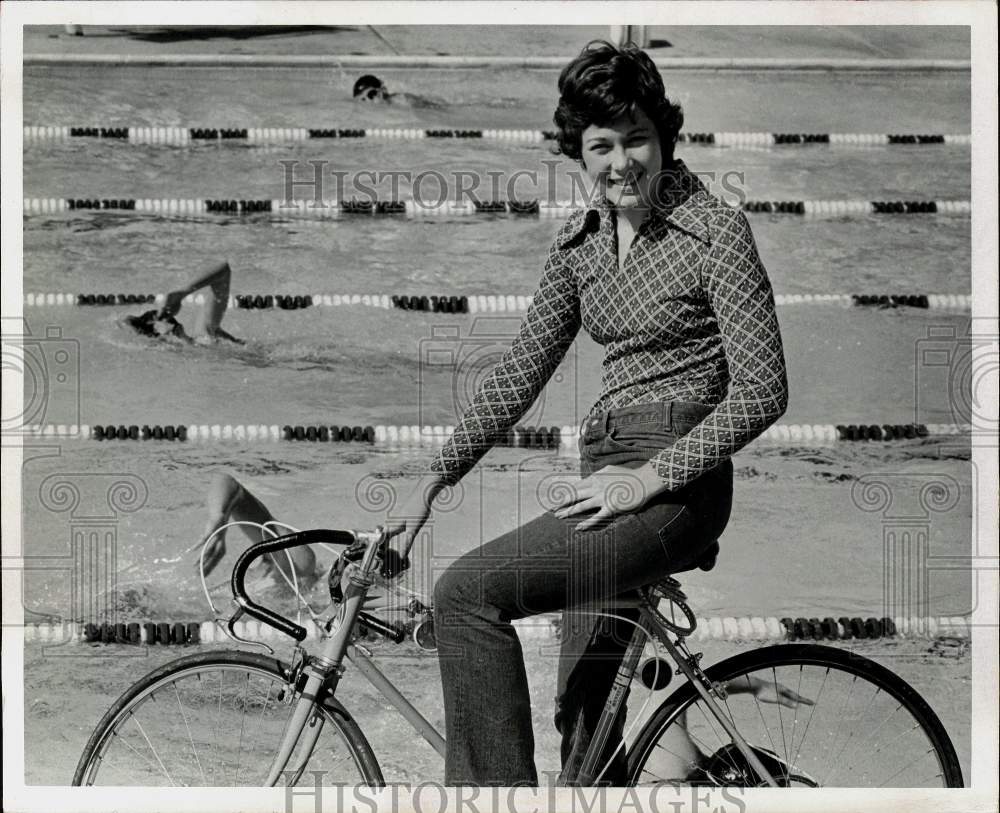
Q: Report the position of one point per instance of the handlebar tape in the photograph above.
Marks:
(248, 556)
(384, 628)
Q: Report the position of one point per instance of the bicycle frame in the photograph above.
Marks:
(326, 669)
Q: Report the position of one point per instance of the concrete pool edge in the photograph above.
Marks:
(460, 62)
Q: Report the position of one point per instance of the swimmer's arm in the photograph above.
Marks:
(217, 276)
(180, 333)
(219, 333)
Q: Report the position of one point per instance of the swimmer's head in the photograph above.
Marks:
(154, 324)
(369, 88)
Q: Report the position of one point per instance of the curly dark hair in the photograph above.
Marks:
(605, 83)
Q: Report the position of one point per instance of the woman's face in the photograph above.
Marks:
(623, 159)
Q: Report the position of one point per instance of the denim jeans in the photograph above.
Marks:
(547, 565)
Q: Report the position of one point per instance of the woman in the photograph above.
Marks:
(667, 278)
(163, 324)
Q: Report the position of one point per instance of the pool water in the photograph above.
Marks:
(367, 366)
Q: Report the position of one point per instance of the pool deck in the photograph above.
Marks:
(685, 42)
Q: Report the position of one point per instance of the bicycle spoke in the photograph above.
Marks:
(885, 746)
(260, 719)
(841, 720)
(850, 736)
(243, 720)
(151, 748)
(760, 712)
(781, 722)
(795, 718)
(680, 759)
(119, 738)
(194, 749)
(218, 723)
(812, 712)
(882, 725)
(887, 781)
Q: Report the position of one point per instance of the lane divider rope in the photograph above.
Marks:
(564, 437)
(337, 210)
(443, 303)
(186, 136)
(728, 628)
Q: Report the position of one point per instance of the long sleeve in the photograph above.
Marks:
(545, 334)
(740, 295)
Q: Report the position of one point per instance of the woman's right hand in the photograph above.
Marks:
(411, 515)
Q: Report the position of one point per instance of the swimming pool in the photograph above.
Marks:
(366, 366)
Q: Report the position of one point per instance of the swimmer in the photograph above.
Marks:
(208, 327)
(370, 88)
(230, 501)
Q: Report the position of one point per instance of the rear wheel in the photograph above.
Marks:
(865, 726)
(217, 719)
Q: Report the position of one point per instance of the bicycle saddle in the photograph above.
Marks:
(709, 557)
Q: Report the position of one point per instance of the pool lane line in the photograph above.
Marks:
(715, 628)
(347, 209)
(488, 61)
(471, 304)
(563, 439)
(187, 136)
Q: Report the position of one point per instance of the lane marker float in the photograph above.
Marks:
(563, 438)
(476, 303)
(716, 628)
(176, 136)
(339, 210)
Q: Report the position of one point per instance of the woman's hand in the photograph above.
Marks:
(413, 512)
(610, 491)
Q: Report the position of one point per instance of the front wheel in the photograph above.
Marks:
(217, 719)
(854, 724)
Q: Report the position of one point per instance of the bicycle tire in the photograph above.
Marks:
(788, 657)
(200, 667)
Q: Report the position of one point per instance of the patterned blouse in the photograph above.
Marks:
(690, 317)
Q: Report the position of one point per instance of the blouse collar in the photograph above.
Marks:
(680, 202)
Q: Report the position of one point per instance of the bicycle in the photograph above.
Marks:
(231, 717)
